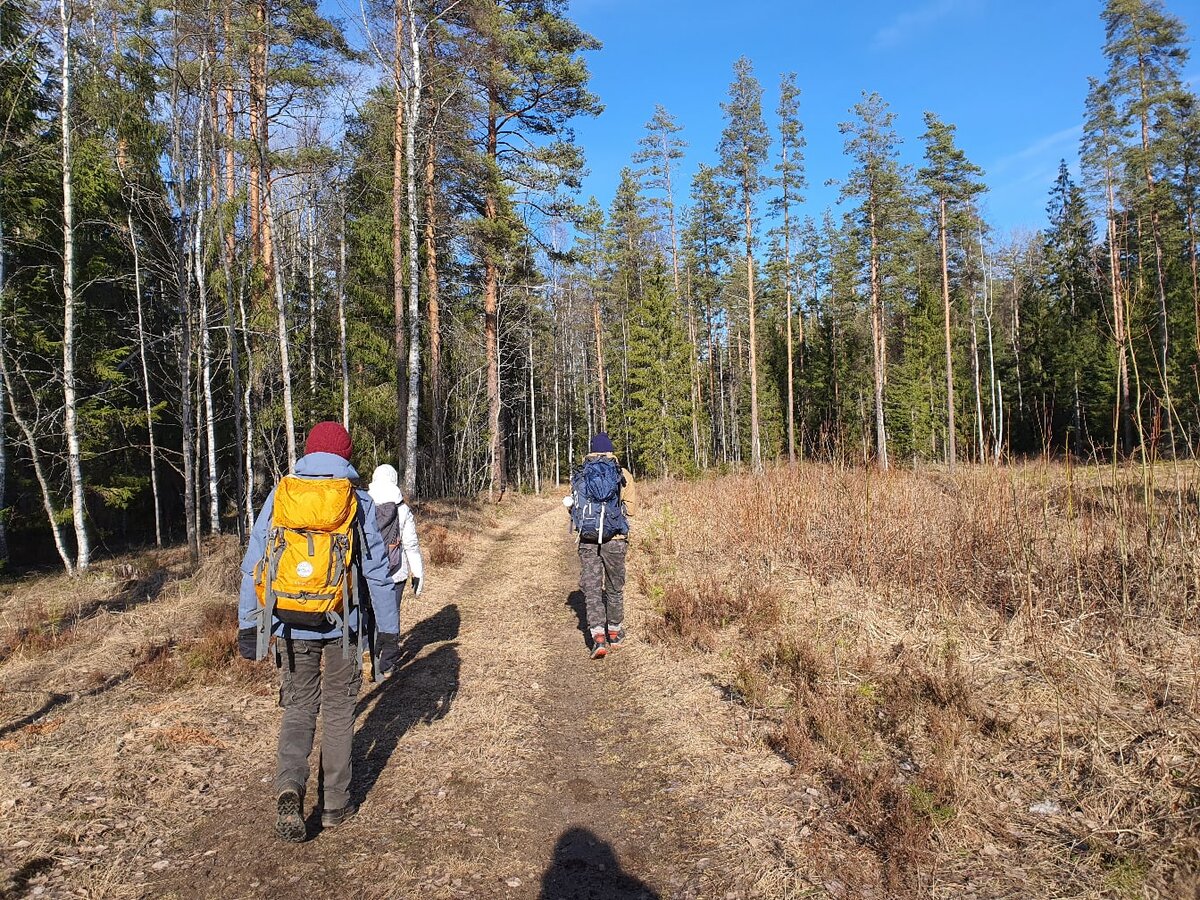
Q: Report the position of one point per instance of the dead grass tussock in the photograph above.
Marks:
(441, 548)
(992, 676)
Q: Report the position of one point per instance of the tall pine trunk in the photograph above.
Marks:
(432, 303)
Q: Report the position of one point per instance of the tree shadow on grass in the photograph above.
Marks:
(585, 867)
(421, 689)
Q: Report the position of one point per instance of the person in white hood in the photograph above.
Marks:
(399, 530)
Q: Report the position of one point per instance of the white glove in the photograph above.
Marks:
(568, 501)
(418, 585)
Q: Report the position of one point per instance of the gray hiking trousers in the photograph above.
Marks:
(304, 691)
(602, 580)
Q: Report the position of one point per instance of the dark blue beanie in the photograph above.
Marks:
(601, 444)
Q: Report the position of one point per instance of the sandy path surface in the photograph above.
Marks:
(500, 761)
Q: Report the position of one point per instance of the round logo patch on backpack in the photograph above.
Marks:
(304, 569)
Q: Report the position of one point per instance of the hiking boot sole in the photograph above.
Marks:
(289, 822)
(600, 651)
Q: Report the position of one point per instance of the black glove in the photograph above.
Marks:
(416, 586)
(388, 648)
(248, 643)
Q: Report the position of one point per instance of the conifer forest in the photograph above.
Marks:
(222, 221)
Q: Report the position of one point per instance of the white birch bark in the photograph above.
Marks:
(3, 435)
(39, 471)
(285, 364)
(70, 407)
(142, 352)
(214, 492)
(312, 301)
(412, 119)
(533, 440)
(342, 348)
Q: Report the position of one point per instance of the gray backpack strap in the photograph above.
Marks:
(266, 613)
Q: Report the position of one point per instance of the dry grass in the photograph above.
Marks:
(441, 548)
(993, 676)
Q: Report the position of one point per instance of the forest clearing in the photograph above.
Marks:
(870, 685)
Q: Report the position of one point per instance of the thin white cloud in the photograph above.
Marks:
(909, 23)
(1052, 144)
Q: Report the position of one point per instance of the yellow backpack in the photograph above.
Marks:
(307, 575)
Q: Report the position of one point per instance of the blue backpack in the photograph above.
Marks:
(598, 514)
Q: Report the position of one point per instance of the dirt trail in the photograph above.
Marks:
(498, 762)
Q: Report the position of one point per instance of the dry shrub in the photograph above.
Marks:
(216, 645)
(695, 613)
(442, 548)
(160, 669)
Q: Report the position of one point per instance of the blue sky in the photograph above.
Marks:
(1011, 74)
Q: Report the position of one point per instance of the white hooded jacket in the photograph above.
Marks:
(385, 492)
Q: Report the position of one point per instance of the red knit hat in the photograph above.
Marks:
(329, 437)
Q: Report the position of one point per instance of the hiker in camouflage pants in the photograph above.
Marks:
(602, 565)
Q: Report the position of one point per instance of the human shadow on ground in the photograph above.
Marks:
(578, 603)
(585, 867)
(421, 689)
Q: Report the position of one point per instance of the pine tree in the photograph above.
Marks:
(953, 183)
(1146, 53)
(743, 149)
(791, 182)
(878, 184)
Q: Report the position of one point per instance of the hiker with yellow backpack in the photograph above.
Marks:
(315, 582)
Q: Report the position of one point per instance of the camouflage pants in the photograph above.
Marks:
(602, 580)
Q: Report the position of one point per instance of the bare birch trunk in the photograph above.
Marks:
(413, 114)
(143, 354)
(343, 351)
(214, 493)
(39, 471)
(951, 427)
(70, 407)
(398, 240)
(285, 365)
(755, 438)
(600, 382)
(312, 302)
(533, 435)
(880, 348)
(3, 413)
